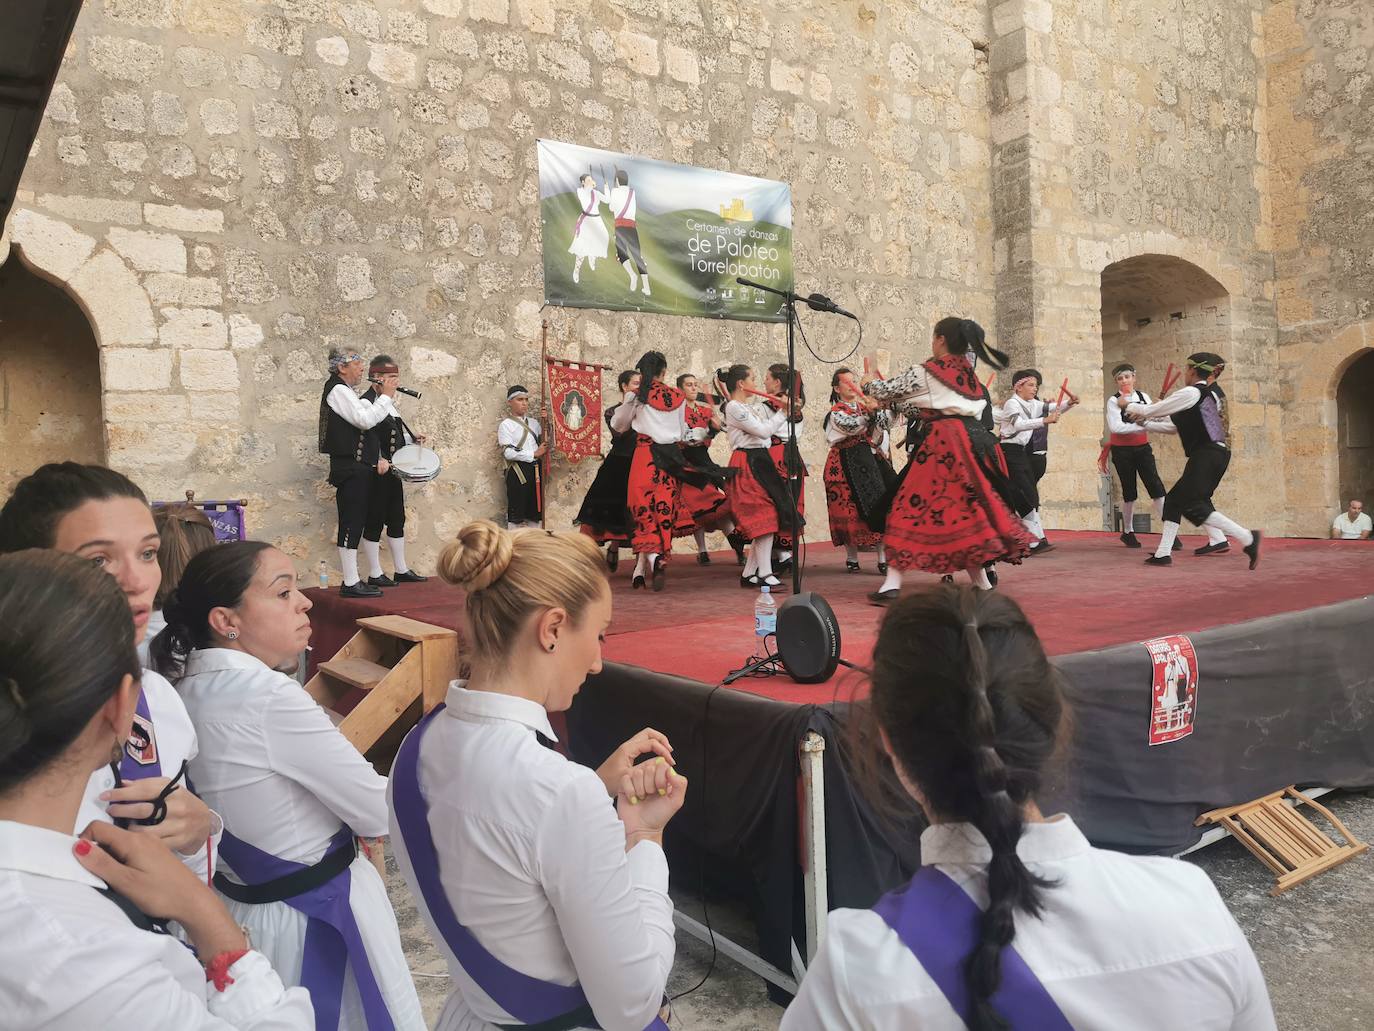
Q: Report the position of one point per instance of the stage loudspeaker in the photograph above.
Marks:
(808, 638)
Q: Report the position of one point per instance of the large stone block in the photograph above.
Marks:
(92, 209)
(185, 220)
(117, 306)
(427, 363)
(209, 370)
(353, 277)
(125, 60)
(219, 116)
(132, 369)
(49, 245)
(199, 328)
(392, 63)
(149, 252)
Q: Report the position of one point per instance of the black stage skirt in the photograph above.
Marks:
(605, 514)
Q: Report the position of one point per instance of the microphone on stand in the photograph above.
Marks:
(819, 302)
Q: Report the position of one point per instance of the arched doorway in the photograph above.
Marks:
(1355, 432)
(1156, 310)
(49, 377)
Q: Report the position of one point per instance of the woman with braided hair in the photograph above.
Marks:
(1014, 920)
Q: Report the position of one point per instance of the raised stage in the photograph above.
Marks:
(1285, 656)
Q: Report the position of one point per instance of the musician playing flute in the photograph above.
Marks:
(386, 503)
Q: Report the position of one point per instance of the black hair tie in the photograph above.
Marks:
(158, 803)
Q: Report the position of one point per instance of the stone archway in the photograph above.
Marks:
(1156, 310)
(1355, 431)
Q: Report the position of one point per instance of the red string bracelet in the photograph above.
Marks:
(217, 970)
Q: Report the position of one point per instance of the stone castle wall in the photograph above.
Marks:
(229, 187)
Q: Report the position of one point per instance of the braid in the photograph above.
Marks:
(1011, 886)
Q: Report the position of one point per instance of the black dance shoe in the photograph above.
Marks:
(737, 543)
(752, 580)
(410, 577)
(1178, 545)
(1220, 548)
(884, 597)
(1160, 560)
(948, 578)
(1041, 548)
(612, 559)
(382, 581)
(989, 568)
(637, 582)
(657, 575)
(359, 590)
(882, 568)
(1253, 549)
(783, 565)
(703, 559)
(852, 567)
(1129, 539)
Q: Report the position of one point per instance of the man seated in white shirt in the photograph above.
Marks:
(1353, 524)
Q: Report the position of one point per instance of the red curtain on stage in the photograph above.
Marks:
(575, 408)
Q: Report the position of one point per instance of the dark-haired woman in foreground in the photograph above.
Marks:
(1014, 920)
(294, 793)
(80, 948)
(950, 508)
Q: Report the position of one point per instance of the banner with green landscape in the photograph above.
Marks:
(634, 234)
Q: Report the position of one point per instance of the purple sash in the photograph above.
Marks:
(938, 922)
(528, 999)
(130, 767)
(332, 938)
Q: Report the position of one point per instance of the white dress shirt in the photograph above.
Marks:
(1125, 943)
(1020, 418)
(509, 435)
(659, 426)
(622, 204)
(286, 781)
(157, 622)
(1179, 401)
(1351, 531)
(915, 390)
(71, 960)
(532, 858)
(359, 414)
(752, 425)
(175, 737)
(1116, 418)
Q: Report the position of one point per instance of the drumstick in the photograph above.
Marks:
(1168, 380)
(991, 376)
(1063, 389)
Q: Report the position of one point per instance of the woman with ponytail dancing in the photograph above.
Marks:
(778, 382)
(856, 479)
(604, 515)
(951, 506)
(1014, 920)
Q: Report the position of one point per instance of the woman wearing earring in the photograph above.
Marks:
(605, 515)
(102, 517)
(550, 904)
(293, 792)
(856, 480)
(82, 950)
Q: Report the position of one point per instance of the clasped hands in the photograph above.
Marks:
(648, 793)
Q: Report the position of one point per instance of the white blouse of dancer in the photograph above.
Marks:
(175, 739)
(1130, 943)
(660, 427)
(1020, 418)
(852, 420)
(286, 781)
(590, 238)
(71, 959)
(511, 432)
(914, 390)
(532, 858)
(752, 425)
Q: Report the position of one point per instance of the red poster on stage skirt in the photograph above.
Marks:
(1173, 688)
(575, 407)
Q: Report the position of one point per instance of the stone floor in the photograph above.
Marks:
(1315, 943)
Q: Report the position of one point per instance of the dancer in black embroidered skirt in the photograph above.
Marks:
(605, 513)
(857, 481)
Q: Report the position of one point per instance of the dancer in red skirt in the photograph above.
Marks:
(702, 507)
(758, 493)
(949, 507)
(856, 480)
(777, 383)
(604, 515)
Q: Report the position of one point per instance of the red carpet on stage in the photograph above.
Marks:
(1090, 593)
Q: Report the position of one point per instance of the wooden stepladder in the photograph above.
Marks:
(1282, 839)
(402, 666)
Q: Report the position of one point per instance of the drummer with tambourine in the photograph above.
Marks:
(386, 506)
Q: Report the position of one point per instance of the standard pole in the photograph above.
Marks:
(544, 464)
(791, 455)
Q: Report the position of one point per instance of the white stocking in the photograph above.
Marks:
(893, 581)
(639, 563)
(763, 549)
(348, 562)
(397, 547)
(1128, 517)
(1166, 540)
(851, 553)
(1031, 522)
(1231, 528)
(1157, 507)
(978, 576)
(700, 536)
(373, 553)
(1214, 534)
(882, 552)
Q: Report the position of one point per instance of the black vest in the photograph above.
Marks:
(389, 432)
(1201, 426)
(339, 438)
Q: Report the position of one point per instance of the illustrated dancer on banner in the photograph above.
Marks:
(1196, 413)
(857, 480)
(293, 791)
(777, 383)
(951, 506)
(520, 440)
(354, 456)
(386, 504)
(605, 512)
(589, 239)
(758, 493)
(1134, 458)
(625, 205)
(658, 415)
(702, 508)
(1023, 415)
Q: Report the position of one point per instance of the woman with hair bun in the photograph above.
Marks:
(294, 794)
(87, 945)
(103, 517)
(550, 905)
(1014, 920)
(184, 531)
(951, 506)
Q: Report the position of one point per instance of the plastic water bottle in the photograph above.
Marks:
(324, 576)
(765, 619)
